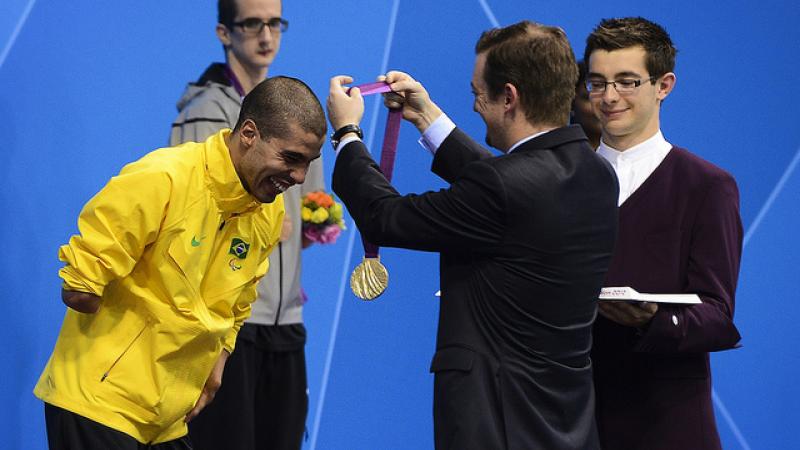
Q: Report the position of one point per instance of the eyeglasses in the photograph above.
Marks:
(254, 25)
(624, 86)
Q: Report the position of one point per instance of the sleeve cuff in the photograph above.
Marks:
(344, 142)
(664, 332)
(229, 343)
(73, 281)
(435, 134)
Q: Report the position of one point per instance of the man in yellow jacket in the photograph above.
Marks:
(164, 270)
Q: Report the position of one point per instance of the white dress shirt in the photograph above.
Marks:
(635, 164)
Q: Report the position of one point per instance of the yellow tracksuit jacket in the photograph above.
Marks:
(174, 245)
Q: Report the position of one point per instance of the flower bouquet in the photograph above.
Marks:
(322, 218)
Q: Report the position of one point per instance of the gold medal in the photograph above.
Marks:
(369, 279)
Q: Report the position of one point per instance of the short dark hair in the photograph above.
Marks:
(538, 60)
(583, 70)
(277, 103)
(226, 12)
(626, 32)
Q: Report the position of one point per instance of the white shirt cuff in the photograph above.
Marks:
(344, 142)
(435, 134)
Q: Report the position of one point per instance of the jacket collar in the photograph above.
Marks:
(215, 73)
(554, 138)
(222, 179)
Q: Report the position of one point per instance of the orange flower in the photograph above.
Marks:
(310, 198)
(319, 198)
(325, 200)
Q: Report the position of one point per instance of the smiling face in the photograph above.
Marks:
(630, 119)
(268, 167)
(491, 111)
(254, 52)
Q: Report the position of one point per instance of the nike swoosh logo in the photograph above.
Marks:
(195, 242)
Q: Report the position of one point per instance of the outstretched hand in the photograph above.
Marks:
(412, 96)
(345, 105)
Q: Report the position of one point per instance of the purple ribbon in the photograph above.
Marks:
(389, 149)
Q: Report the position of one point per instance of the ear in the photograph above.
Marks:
(223, 34)
(665, 85)
(510, 97)
(248, 134)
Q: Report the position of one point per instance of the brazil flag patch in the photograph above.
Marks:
(239, 248)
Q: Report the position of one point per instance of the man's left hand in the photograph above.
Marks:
(211, 387)
(418, 108)
(631, 315)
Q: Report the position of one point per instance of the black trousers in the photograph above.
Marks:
(69, 431)
(262, 403)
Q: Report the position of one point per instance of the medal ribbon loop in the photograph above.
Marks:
(370, 278)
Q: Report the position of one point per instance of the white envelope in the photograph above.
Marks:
(630, 294)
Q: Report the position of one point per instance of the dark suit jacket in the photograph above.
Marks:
(680, 232)
(525, 240)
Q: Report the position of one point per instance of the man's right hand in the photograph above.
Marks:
(409, 93)
(345, 105)
(637, 316)
(81, 301)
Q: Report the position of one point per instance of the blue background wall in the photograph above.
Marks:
(89, 86)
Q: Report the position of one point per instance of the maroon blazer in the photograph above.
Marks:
(680, 232)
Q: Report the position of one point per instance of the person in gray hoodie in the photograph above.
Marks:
(263, 402)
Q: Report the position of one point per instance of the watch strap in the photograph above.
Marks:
(350, 128)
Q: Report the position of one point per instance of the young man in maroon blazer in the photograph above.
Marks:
(679, 232)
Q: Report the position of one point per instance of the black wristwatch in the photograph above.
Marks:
(337, 135)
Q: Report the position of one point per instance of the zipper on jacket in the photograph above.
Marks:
(224, 220)
(280, 282)
(105, 375)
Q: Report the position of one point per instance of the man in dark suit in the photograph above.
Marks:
(525, 240)
(679, 232)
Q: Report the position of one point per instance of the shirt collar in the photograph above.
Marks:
(524, 140)
(654, 144)
(222, 179)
